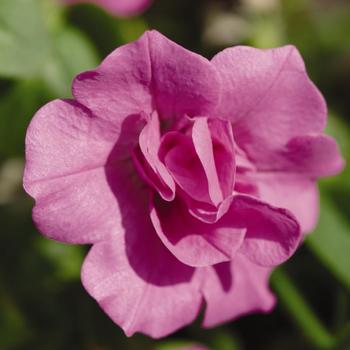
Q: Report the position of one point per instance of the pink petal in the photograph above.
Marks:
(234, 289)
(155, 170)
(295, 192)
(139, 284)
(67, 150)
(269, 98)
(118, 7)
(152, 73)
(273, 234)
(203, 145)
(193, 242)
(312, 155)
(224, 154)
(184, 83)
(183, 163)
(120, 86)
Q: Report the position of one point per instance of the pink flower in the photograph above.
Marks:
(183, 173)
(123, 8)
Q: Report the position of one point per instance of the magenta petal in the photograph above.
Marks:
(294, 192)
(269, 98)
(193, 242)
(234, 289)
(139, 284)
(152, 73)
(273, 234)
(66, 151)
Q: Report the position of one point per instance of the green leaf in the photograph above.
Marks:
(36, 43)
(224, 340)
(67, 259)
(130, 29)
(24, 39)
(71, 55)
(175, 345)
(13, 327)
(17, 106)
(331, 241)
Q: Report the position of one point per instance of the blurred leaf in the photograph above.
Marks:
(268, 31)
(130, 29)
(36, 43)
(24, 40)
(224, 340)
(13, 329)
(298, 309)
(333, 28)
(331, 241)
(17, 106)
(174, 345)
(339, 129)
(71, 55)
(67, 259)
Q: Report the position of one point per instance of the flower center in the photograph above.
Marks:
(194, 160)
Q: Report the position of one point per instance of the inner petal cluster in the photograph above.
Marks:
(193, 160)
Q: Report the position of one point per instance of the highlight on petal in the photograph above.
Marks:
(193, 242)
(139, 284)
(273, 234)
(234, 289)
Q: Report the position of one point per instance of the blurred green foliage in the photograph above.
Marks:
(42, 47)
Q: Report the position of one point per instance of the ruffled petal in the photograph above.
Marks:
(152, 73)
(67, 150)
(294, 192)
(269, 98)
(273, 234)
(311, 155)
(181, 159)
(139, 284)
(234, 289)
(193, 242)
(152, 169)
(203, 145)
(184, 83)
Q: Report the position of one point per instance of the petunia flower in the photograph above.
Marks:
(123, 8)
(191, 178)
